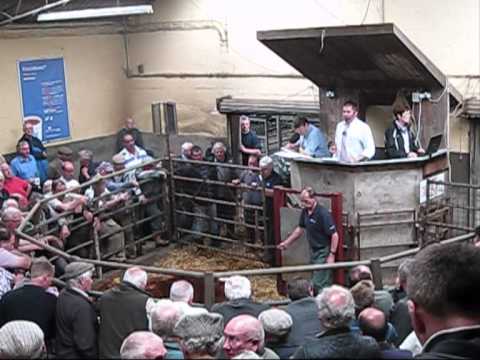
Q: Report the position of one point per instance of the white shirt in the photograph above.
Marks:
(405, 136)
(139, 157)
(412, 344)
(357, 140)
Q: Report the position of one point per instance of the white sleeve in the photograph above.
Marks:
(9, 260)
(369, 144)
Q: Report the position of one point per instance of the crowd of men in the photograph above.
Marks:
(431, 313)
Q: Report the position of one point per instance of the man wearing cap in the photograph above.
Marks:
(76, 318)
(37, 149)
(269, 178)
(321, 233)
(87, 165)
(277, 324)
(54, 171)
(21, 340)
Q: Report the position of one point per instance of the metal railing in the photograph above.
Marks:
(209, 278)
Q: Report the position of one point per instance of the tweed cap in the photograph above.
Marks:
(104, 167)
(21, 339)
(276, 321)
(199, 325)
(76, 269)
(118, 159)
(65, 150)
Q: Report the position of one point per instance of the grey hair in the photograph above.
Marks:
(336, 307)
(85, 154)
(237, 287)
(9, 203)
(164, 317)
(219, 145)
(181, 290)
(75, 282)
(244, 118)
(276, 322)
(266, 161)
(136, 276)
(186, 145)
(21, 143)
(247, 355)
(137, 343)
(11, 212)
(404, 270)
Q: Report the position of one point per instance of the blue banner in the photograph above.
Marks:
(44, 98)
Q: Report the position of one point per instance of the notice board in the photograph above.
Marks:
(44, 97)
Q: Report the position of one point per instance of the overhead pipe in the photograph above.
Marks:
(34, 11)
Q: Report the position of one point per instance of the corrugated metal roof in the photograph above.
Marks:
(265, 106)
(471, 108)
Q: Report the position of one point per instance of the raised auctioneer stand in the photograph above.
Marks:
(371, 65)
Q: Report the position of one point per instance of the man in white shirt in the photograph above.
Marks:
(133, 154)
(353, 137)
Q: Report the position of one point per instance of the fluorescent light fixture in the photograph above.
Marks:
(96, 13)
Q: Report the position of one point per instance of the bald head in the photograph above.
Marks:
(358, 273)
(373, 323)
(243, 333)
(143, 345)
(68, 170)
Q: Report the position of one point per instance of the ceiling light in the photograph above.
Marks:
(96, 13)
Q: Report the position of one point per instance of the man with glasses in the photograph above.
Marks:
(353, 137)
(321, 233)
(245, 333)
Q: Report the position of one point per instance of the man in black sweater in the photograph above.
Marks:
(32, 302)
(76, 318)
(122, 312)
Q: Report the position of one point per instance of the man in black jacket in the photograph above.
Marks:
(123, 310)
(238, 291)
(400, 141)
(304, 312)
(443, 292)
(204, 210)
(336, 310)
(17, 304)
(76, 318)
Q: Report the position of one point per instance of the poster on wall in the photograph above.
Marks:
(44, 98)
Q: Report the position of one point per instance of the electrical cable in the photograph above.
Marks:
(443, 93)
(366, 12)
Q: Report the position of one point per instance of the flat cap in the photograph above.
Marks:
(199, 325)
(65, 150)
(118, 159)
(76, 269)
(21, 340)
(276, 321)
